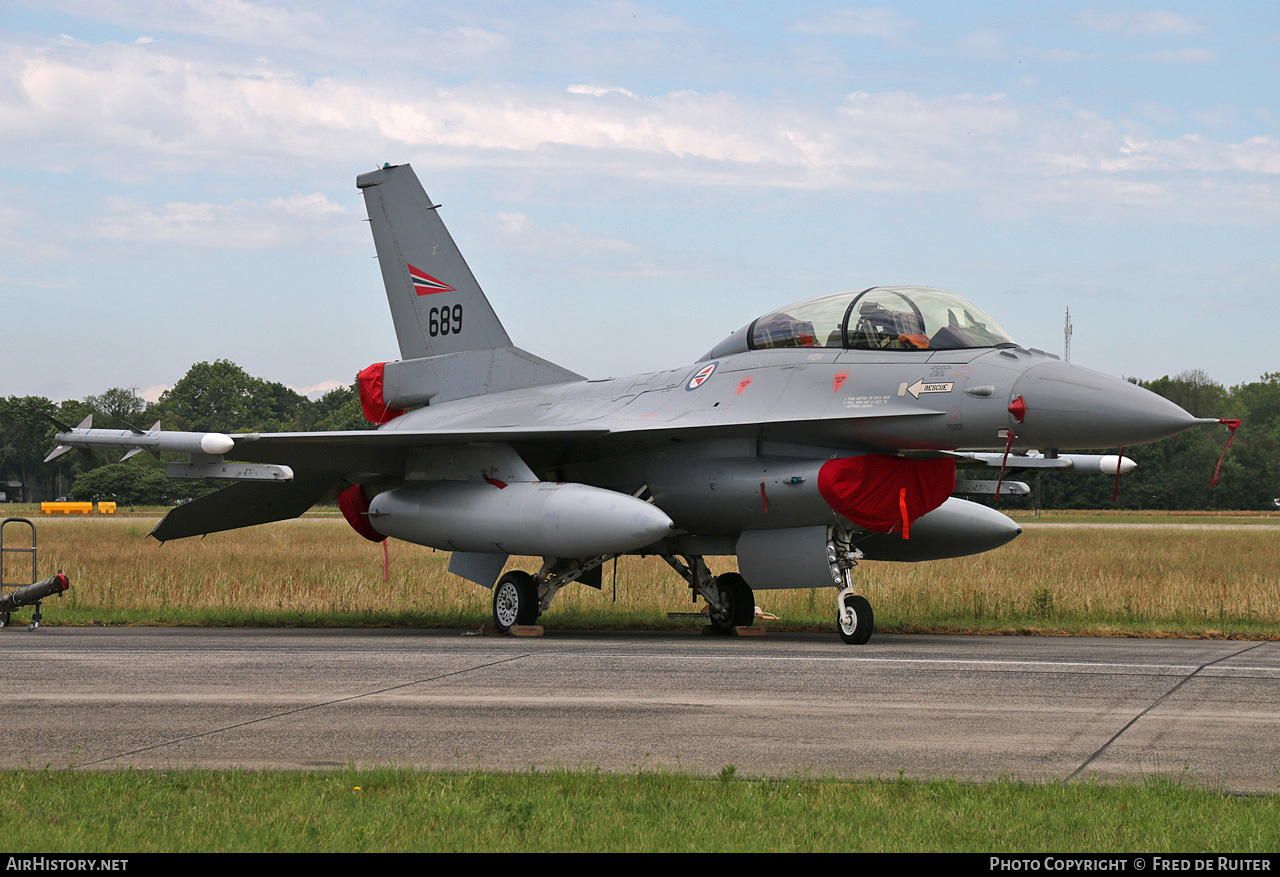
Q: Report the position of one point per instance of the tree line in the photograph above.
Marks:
(214, 396)
(1175, 473)
(221, 397)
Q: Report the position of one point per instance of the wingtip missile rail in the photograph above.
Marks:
(133, 440)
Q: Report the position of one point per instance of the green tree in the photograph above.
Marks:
(339, 409)
(25, 430)
(126, 484)
(1176, 473)
(1193, 390)
(117, 408)
(220, 396)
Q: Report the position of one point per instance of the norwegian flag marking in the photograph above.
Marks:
(425, 284)
(701, 377)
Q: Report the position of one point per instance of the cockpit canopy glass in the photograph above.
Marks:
(881, 318)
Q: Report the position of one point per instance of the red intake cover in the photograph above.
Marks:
(356, 510)
(868, 490)
(371, 401)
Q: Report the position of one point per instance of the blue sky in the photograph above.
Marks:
(631, 181)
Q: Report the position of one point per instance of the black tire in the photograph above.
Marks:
(864, 621)
(515, 600)
(740, 603)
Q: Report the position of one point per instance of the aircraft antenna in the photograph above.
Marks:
(1066, 337)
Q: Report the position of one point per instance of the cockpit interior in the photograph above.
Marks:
(880, 318)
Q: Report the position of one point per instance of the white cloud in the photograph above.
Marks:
(238, 225)
(522, 234)
(599, 90)
(1179, 56)
(333, 30)
(1138, 22)
(315, 391)
(124, 107)
(154, 392)
(626, 16)
(313, 207)
(880, 21)
(987, 44)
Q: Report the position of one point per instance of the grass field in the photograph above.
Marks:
(391, 810)
(1215, 580)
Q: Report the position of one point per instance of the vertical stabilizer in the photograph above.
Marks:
(436, 304)
(452, 344)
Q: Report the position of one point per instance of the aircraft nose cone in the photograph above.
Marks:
(1068, 406)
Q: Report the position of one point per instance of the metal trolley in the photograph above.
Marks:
(17, 594)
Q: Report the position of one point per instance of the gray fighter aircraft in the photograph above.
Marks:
(827, 431)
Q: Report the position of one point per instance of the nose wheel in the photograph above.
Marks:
(855, 618)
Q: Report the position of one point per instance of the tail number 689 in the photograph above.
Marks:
(444, 321)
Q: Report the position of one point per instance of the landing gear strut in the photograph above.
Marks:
(728, 596)
(854, 618)
(520, 597)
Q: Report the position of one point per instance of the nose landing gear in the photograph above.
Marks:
(854, 617)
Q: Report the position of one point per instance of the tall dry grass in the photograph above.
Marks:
(1195, 581)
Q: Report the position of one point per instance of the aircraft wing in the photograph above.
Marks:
(299, 469)
(246, 503)
(355, 448)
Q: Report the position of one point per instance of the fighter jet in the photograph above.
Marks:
(825, 432)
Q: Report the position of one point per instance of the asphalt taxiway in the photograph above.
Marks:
(971, 708)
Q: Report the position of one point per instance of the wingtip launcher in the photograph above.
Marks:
(204, 451)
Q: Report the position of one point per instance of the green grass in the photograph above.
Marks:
(1145, 517)
(396, 810)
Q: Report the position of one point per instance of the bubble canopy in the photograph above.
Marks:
(880, 318)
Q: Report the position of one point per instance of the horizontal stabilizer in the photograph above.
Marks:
(412, 382)
(245, 504)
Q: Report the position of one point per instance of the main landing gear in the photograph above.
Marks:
(515, 600)
(728, 596)
(520, 597)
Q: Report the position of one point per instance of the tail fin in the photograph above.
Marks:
(452, 344)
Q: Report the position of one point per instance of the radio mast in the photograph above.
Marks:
(1066, 337)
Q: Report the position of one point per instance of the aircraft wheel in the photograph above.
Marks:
(740, 603)
(515, 600)
(856, 620)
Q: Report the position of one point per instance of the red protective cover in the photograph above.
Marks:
(371, 400)
(877, 491)
(356, 510)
